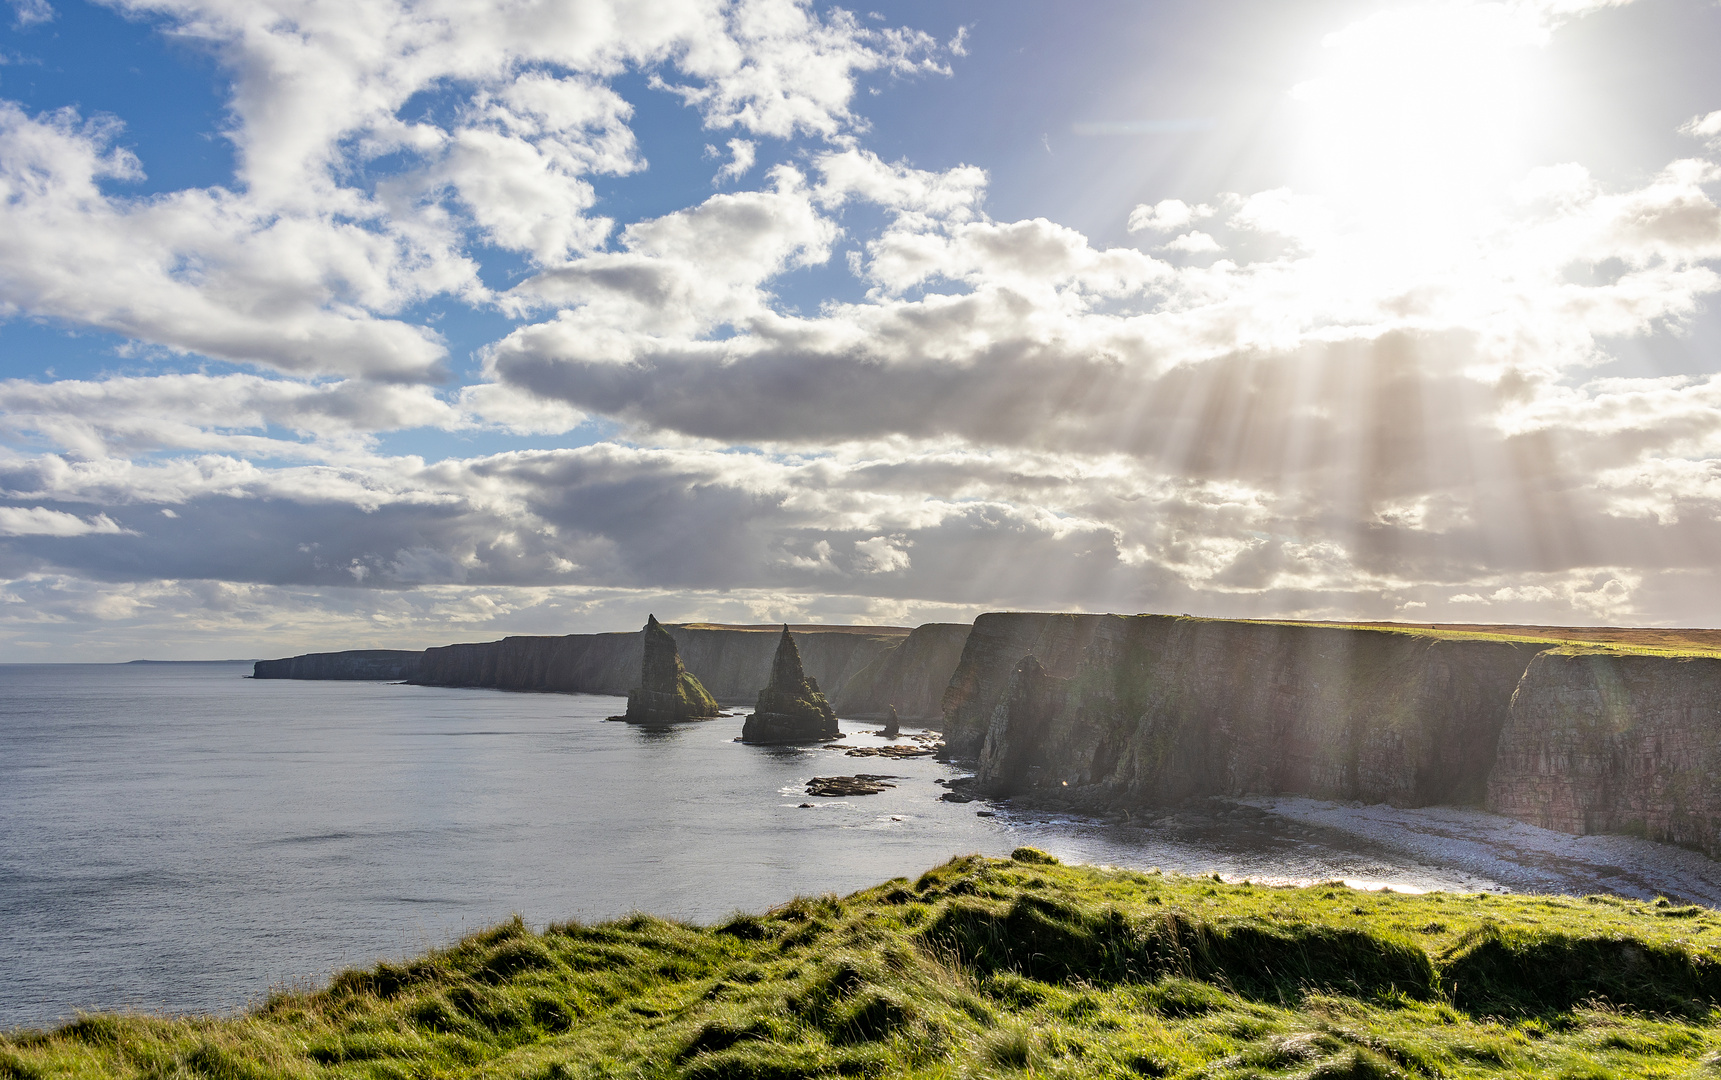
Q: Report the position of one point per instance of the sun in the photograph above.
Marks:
(1416, 119)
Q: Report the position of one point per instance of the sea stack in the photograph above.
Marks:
(791, 709)
(892, 725)
(667, 691)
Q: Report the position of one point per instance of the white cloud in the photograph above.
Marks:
(884, 554)
(1707, 127)
(40, 521)
(28, 13)
(1167, 215)
(1322, 421)
(1194, 242)
(742, 154)
(298, 267)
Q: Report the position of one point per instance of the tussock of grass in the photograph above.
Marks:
(992, 967)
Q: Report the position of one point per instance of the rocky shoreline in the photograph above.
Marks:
(1121, 713)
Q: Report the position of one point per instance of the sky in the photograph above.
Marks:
(391, 323)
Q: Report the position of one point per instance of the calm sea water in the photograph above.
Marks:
(179, 837)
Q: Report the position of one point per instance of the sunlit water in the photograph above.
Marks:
(178, 837)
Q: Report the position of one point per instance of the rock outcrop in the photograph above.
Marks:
(910, 675)
(667, 692)
(1157, 709)
(791, 708)
(388, 665)
(1603, 742)
(892, 724)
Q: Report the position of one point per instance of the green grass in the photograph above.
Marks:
(993, 967)
(1618, 641)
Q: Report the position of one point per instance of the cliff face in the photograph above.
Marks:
(576, 663)
(1156, 709)
(910, 675)
(732, 664)
(995, 644)
(369, 664)
(1609, 743)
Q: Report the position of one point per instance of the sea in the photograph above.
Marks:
(180, 838)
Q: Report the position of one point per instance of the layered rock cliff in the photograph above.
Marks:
(910, 675)
(1154, 709)
(995, 644)
(365, 664)
(1603, 742)
(731, 662)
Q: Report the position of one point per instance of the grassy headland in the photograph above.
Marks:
(994, 967)
(1634, 640)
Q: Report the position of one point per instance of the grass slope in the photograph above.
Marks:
(993, 967)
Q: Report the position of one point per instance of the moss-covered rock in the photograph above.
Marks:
(791, 708)
(667, 692)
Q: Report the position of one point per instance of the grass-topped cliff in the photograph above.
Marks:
(994, 967)
(1624, 640)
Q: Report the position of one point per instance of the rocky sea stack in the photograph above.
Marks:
(791, 709)
(667, 692)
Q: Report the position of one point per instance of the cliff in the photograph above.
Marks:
(910, 675)
(368, 664)
(1602, 742)
(572, 664)
(1144, 710)
(735, 664)
(994, 645)
(731, 662)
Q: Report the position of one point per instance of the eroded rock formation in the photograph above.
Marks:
(791, 708)
(667, 692)
(892, 724)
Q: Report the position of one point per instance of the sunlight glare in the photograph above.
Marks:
(1414, 126)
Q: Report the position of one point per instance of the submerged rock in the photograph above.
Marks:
(667, 692)
(791, 709)
(837, 787)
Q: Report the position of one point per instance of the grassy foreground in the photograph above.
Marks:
(994, 967)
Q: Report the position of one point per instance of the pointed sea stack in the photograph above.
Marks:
(667, 692)
(892, 725)
(791, 709)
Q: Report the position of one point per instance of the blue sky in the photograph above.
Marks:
(401, 323)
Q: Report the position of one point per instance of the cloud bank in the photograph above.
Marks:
(1273, 403)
